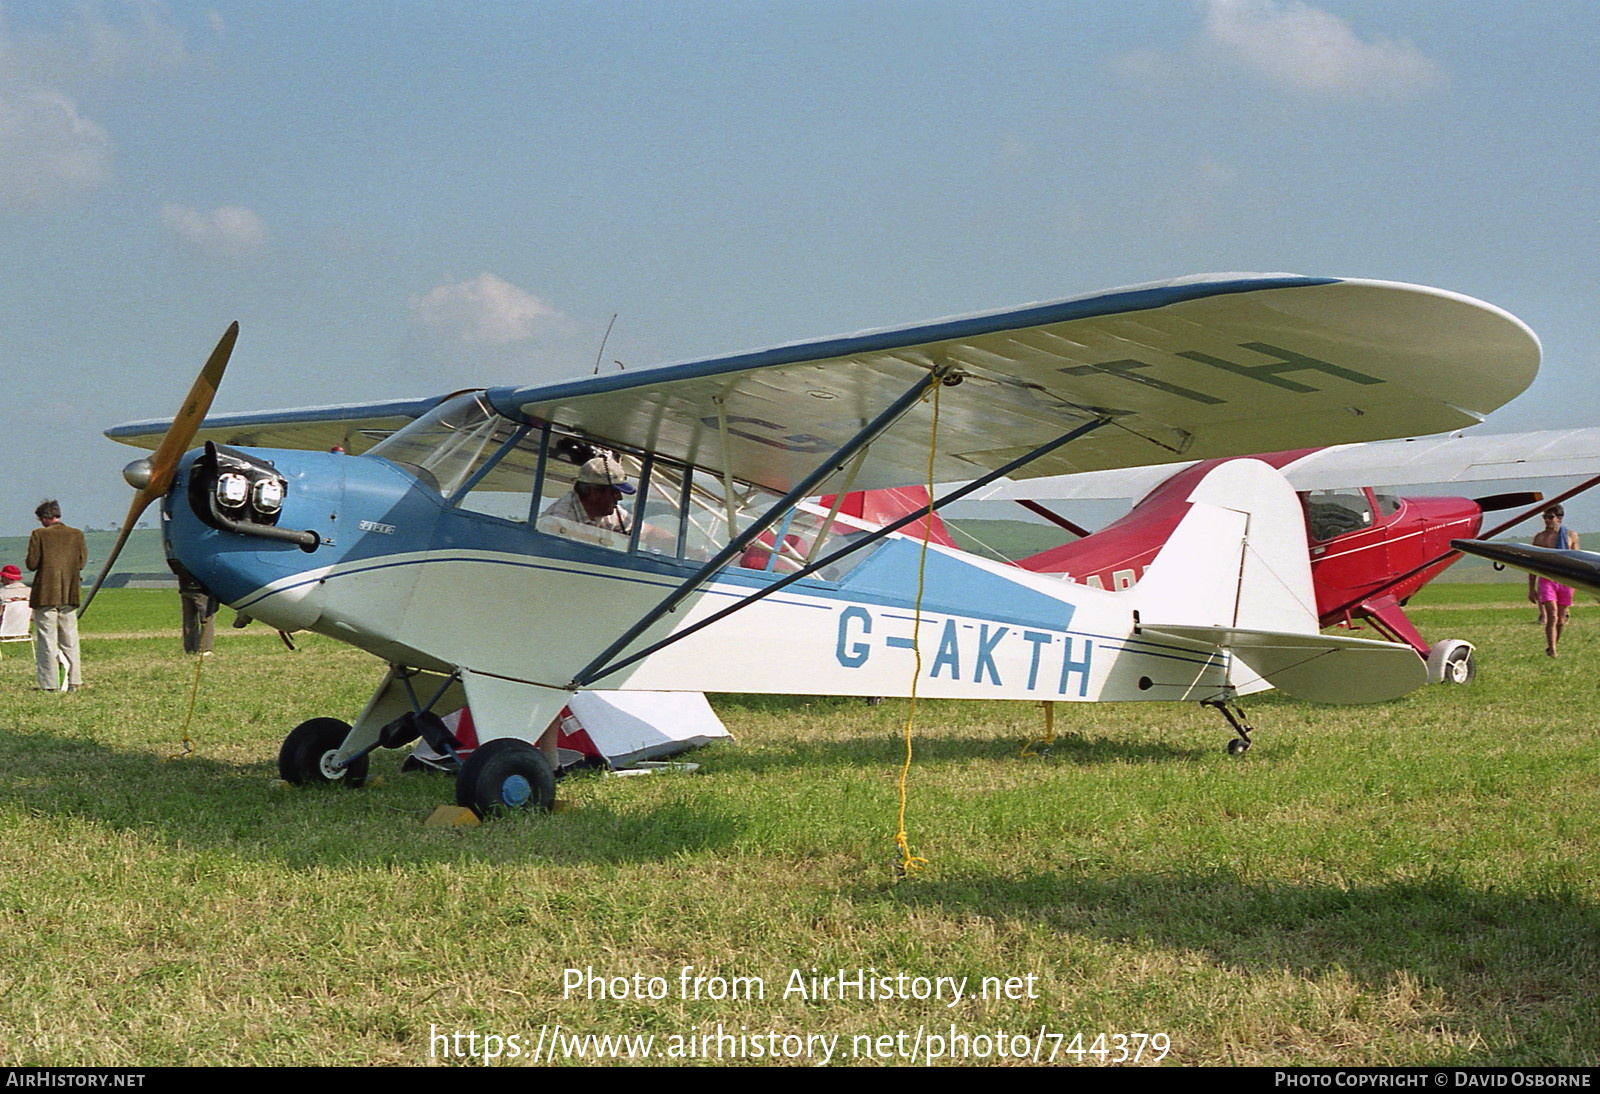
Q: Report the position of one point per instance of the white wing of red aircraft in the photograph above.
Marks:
(1455, 457)
(451, 549)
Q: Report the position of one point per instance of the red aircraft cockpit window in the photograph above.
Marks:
(1388, 504)
(1331, 513)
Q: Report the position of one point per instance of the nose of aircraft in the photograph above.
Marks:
(253, 526)
(161, 468)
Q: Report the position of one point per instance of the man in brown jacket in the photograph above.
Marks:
(57, 555)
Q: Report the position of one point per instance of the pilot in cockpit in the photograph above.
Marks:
(595, 498)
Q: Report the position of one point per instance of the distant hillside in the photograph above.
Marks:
(1008, 540)
(142, 555)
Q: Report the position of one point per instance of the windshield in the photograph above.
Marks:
(447, 444)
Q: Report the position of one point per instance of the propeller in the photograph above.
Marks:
(1520, 500)
(152, 476)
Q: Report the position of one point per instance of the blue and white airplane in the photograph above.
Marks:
(442, 535)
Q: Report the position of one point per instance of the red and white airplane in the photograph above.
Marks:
(1371, 549)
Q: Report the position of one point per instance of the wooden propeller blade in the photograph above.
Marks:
(164, 463)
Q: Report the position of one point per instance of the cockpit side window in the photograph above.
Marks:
(1331, 513)
(677, 511)
(502, 486)
(590, 494)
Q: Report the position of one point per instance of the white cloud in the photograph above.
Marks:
(97, 45)
(48, 148)
(230, 232)
(1296, 45)
(1293, 45)
(483, 311)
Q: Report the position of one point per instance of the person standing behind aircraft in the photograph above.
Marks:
(57, 555)
(1554, 599)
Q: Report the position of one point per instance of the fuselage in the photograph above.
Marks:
(444, 578)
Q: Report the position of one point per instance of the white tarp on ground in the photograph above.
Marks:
(629, 726)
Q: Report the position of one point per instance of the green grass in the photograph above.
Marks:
(1006, 539)
(143, 612)
(1413, 882)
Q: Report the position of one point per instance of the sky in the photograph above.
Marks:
(404, 198)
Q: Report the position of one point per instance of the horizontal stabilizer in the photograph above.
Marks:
(1316, 667)
(1580, 568)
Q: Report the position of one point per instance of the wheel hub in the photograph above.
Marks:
(329, 768)
(516, 791)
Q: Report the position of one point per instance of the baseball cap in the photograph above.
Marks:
(604, 471)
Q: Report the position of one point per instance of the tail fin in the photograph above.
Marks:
(1236, 573)
(1238, 558)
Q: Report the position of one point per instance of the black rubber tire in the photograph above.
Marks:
(506, 775)
(300, 758)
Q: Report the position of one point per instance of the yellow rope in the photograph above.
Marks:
(909, 864)
(1050, 731)
(194, 693)
(1049, 737)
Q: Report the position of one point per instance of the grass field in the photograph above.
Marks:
(1408, 883)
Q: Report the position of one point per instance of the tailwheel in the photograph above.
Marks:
(506, 775)
(1226, 706)
(1460, 667)
(307, 755)
(1452, 661)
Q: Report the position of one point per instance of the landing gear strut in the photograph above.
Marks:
(327, 750)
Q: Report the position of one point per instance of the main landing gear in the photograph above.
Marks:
(501, 776)
(310, 755)
(506, 775)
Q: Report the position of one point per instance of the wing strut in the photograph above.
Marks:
(736, 546)
(591, 673)
(1056, 518)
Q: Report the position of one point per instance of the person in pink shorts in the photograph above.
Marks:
(1554, 599)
